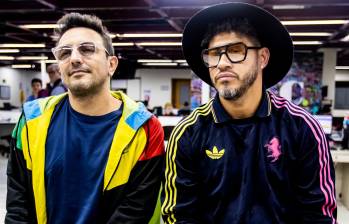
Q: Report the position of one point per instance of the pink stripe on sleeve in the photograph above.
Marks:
(330, 202)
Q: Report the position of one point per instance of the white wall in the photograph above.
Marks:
(133, 87)
(157, 83)
(14, 78)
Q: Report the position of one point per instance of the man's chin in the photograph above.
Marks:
(80, 90)
(230, 93)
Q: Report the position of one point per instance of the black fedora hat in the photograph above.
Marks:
(270, 32)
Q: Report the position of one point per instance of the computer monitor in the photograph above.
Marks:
(325, 122)
(5, 92)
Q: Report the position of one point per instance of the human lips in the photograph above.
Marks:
(226, 75)
(78, 71)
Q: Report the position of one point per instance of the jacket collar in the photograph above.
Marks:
(220, 115)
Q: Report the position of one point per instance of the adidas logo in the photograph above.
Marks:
(215, 154)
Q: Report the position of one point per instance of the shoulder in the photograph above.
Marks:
(305, 122)
(195, 123)
(58, 90)
(155, 139)
(35, 108)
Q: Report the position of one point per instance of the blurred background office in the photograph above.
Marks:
(147, 35)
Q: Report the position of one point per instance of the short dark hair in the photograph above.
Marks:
(239, 25)
(74, 19)
(34, 80)
(52, 68)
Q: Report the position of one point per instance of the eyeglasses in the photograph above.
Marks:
(235, 52)
(86, 49)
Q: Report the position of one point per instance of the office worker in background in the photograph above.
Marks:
(88, 156)
(246, 156)
(55, 86)
(36, 85)
(168, 109)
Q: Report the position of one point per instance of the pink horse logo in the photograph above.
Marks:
(274, 149)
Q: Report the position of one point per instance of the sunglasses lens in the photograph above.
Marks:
(236, 52)
(86, 49)
(211, 57)
(63, 53)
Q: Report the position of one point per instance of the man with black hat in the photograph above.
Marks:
(246, 156)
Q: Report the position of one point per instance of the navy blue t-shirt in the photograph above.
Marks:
(77, 149)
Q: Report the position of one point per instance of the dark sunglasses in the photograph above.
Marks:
(235, 52)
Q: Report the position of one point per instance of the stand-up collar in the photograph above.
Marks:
(220, 115)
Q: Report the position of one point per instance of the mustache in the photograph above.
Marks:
(79, 70)
(229, 73)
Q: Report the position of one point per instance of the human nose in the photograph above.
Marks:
(75, 56)
(223, 61)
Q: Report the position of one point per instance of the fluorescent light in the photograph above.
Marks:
(311, 34)
(307, 42)
(50, 61)
(180, 61)
(7, 58)
(153, 60)
(315, 22)
(159, 43)
(22, 45)
(288, 7)
(342, 67)
(160, 64)
(124, 44)
(22, 66)
(39, 26)
(9, 50)
(346, 38)
(303, 51)
(184, 64)
(32, 58)
(140, 35)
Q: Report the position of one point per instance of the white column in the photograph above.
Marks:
(329, 71)
(205, 92)
(44, 76)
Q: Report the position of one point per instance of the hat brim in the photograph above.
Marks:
(270, 32)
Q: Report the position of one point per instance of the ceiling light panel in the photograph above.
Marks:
(22, 45)
(32, 58)
(22, 66)
(39, 26)
(160, 64)
(314, 22)
(159, 43)
(147, 35)
(9, 50)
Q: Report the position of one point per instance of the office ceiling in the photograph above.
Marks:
(157, 16)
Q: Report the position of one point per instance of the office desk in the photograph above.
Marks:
(169, 120)
(341, 164)
(8, 120)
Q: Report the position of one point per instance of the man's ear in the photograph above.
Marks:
(113, 64)
(264, 57)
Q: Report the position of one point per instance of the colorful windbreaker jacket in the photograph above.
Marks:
(131, 178)
(274, 167)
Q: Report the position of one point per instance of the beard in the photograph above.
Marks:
(236, 93)
(85, 89)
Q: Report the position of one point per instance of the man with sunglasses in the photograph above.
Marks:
(90, 155)
(246, 156)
